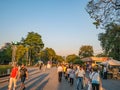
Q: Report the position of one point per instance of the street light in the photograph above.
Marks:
(14, 48)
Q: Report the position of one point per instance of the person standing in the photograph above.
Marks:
(23, 76)
(68, 73)
(64, 69)
(40, 66)
(72, 75)
(80, 75)
(95, 79)
(105, 72)
(59, 70)
(13, 77)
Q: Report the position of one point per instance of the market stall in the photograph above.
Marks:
(113, 67)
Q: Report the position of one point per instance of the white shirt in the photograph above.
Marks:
(59, 69)
(68, 71)
(72, 73)
(95, 76)
(81, 73)
(105, 69)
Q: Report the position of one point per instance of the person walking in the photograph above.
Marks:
(13, 77)
(23, 76)
(64, 70)
(80, 75)
(105, 72)
(72, 75)
(68, 73)
(59, 70)
(95, 79)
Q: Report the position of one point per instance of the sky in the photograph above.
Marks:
(63, 24)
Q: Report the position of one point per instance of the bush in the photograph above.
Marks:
(4, 68)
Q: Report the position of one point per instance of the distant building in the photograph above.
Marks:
(95, 60)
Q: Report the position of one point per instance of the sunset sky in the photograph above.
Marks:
(63, 24)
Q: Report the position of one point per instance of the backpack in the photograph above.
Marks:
(23, 72)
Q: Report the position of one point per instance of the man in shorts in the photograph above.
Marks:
(23, 76)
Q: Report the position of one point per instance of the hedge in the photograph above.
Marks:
(4, 68)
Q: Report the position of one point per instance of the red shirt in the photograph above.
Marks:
(14, 72)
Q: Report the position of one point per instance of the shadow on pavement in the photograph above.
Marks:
(39, 79)
(42, 85)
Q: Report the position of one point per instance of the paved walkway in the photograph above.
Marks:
(48, 80)
(53, 84)
(111, 84)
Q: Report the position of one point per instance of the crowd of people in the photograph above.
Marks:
(76, 75)
(79, 76)
(16, 74)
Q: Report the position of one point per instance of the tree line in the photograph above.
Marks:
(31, 49)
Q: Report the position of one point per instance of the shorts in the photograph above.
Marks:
(23, 79)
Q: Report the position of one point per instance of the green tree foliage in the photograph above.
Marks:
(78, 61)
(86, 51)
(104, 11)
(101, 55)
(47, 54)
(21, 53)
(34, 43)
(59, 59)
(43, 56)
(71, 58)
(6, 55)
(110, 40)
(33, 39)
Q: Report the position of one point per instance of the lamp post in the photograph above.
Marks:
(14, 48)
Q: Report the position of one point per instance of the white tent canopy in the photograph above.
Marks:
(111, 62)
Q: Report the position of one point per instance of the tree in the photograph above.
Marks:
(47, 54)
(21, 54)
(104, 11)
(6, 54)
(86, 51)
(101, 55)
(34, 44)
(78, 61)
(110, 40)
(71, 58)
(59, 58)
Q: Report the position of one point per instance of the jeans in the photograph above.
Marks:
(79, 80)
(23, 79)
(71, 81)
